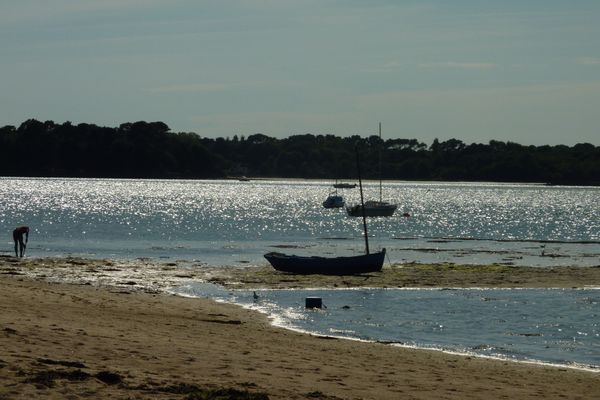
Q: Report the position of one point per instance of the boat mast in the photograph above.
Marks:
(380, 146)
(362, 202)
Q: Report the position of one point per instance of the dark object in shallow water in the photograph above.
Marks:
(313, 302)
(327, 266)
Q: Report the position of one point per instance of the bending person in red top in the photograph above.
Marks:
(18, 234)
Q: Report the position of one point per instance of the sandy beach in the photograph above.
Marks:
(113, 338)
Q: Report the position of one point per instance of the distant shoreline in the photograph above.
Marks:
(151, 150)
(331, 180)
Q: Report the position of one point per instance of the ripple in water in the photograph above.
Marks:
(129, 218)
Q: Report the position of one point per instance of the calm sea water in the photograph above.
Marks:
(235, 223)
(231, 222)
(556, 326)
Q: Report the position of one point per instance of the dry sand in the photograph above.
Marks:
(68, 341)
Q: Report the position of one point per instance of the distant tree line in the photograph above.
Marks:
(150, 150)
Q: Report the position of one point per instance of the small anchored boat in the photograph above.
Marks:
(333, 201)
(350, 265)
(343, 185)
(373, 208)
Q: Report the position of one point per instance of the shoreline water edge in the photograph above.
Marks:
(278, 321)
(232, 284)
(103, 307)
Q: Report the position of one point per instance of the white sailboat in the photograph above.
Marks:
(374, 208)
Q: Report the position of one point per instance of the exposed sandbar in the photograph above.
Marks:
(416, 275)
(154, 276)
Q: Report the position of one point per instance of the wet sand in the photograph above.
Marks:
(414, 275)
(113, 336)
(155, 276)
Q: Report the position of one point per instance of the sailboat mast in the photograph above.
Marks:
(380, 168)
(362, 202)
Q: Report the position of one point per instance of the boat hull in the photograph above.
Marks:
(379, 209)
(327, 265)
(344, 185)
(334, 202)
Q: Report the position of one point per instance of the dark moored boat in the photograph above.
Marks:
(344, 185)
(372, 209)
(327, 266)
(333, 201)
(369, 262)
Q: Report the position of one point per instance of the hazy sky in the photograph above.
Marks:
(521, 70)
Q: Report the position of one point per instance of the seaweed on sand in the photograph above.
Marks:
(46, 378)
(195, 392)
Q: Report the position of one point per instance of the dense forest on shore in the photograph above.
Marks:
(150, 150)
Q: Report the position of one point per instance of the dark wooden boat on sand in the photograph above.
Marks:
(350, 265)
(327, 265)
